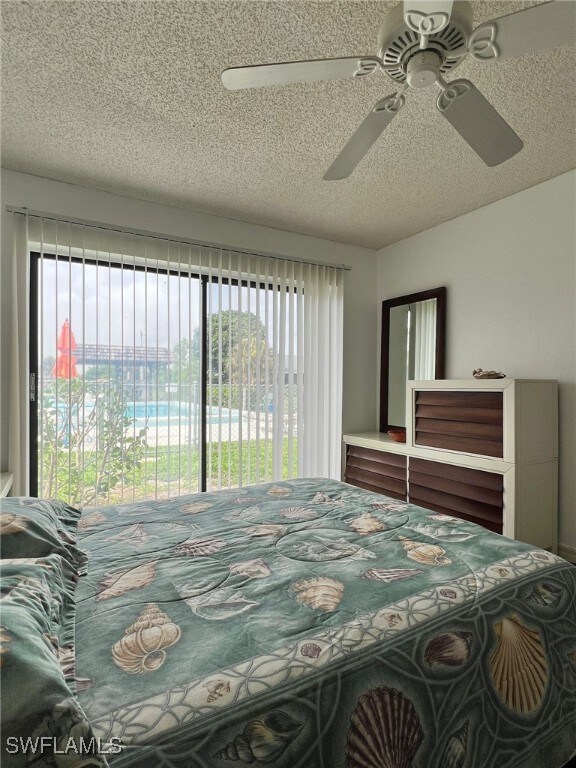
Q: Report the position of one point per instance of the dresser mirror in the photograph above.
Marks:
(412, 347)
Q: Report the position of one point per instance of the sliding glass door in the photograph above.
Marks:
(149, 382)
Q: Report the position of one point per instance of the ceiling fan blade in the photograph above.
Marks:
(427, 17)
(476, 120)
(549, 25)
(259, 76)
(364, 136)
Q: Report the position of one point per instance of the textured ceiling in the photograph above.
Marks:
(126, 97)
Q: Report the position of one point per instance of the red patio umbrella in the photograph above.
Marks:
(65, 367)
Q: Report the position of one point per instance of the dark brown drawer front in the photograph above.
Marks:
(466, 493)
(470, 422)
(377, 471)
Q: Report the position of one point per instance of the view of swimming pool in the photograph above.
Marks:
(174, 413)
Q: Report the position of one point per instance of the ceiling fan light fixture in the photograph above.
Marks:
(423, 69)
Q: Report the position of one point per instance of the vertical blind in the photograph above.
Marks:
(165, 367)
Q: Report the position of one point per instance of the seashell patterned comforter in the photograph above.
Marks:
(311, 624)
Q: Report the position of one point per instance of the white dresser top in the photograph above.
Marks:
(5, 483)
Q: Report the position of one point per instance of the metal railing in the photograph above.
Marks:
(93, 354)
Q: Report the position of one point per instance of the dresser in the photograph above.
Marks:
(481, 450)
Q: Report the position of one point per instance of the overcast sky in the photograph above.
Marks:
(113, 306)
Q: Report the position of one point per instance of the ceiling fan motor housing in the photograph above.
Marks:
(398, 45)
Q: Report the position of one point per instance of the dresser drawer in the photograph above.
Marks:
(470, 494)
(377, 471)
(470, 422)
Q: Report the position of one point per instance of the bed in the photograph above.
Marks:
(313, 624)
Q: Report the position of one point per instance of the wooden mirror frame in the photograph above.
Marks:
(440, 353)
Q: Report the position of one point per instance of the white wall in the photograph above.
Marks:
(360, 305)
(510, 271)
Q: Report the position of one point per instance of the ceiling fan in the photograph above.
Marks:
(419, 42)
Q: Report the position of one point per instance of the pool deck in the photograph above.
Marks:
(253, 427)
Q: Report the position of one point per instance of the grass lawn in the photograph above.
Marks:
(170, 471)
